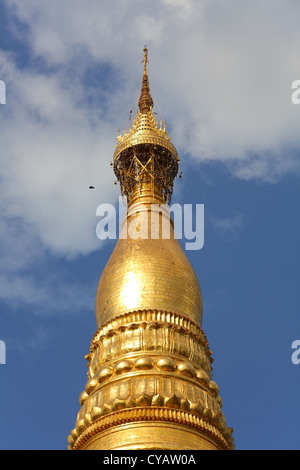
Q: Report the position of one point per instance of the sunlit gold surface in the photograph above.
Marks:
(147, 273)
(149, 381)
(147, 435)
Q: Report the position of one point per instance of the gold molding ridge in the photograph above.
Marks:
(148, 414)
(149, 316)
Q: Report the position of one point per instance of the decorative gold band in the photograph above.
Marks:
(150, 414)
(149, 316)
(143, 367)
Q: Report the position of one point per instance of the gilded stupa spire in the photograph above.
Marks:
(149, 381)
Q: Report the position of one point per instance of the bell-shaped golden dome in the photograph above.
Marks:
(148, 268)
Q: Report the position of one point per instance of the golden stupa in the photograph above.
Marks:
(149, 380)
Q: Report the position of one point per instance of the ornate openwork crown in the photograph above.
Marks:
(145, 155)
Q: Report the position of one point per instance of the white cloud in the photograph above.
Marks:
(50, 155)
(223, 69)
(52, 150)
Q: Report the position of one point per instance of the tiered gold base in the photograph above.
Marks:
(149, 387)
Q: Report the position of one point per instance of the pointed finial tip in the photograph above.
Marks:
(145, 59)
(145, 102)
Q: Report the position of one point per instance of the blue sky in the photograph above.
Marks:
(221, 75)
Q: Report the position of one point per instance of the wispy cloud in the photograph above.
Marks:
(45, 296)
(229, 228)
(27, 280)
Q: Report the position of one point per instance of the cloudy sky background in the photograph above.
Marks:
(220, 75)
